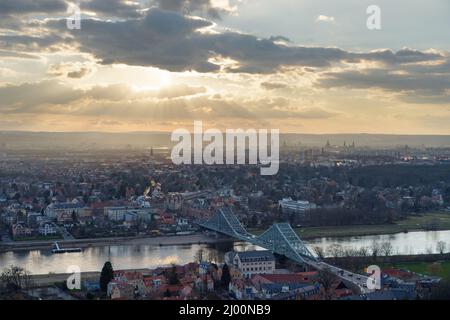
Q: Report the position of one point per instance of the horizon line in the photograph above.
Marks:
(168, 132)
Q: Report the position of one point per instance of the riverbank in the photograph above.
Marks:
(197, 238)
(413, 223)
(427, 264)
(42, 280)
(430, 264)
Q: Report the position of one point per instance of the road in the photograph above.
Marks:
(357, 279)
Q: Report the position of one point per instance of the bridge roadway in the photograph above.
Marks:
(280, 239)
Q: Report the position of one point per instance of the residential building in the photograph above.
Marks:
(250, 263)
(47, 228)
(290, 206)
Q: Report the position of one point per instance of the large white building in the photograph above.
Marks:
(58, 210)
(250, 263)
(120, 214)
(288, 205)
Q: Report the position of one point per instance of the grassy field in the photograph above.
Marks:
(414, 223)
(439, 269)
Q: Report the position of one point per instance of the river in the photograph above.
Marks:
(137, 256)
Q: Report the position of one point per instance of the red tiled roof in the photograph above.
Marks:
(397, 273)
(288, 278)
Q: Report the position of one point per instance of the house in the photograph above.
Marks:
(390, 294)
(62, 211)
(47, 228)
(241, 288)
(167, 218)
(281, 291)
(20, 230)
(250, 263)
(118, 290)
(290, 206)
(292, 278)
(132, 278)
(34, 218)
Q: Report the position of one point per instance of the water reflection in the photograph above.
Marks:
(122, 257)
(420, 242)
(151, 256)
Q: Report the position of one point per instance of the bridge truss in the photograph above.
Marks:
(279, 238)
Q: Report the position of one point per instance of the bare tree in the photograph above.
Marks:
(15, 278)
(198, 257)
(319, 252)
(363, 251)
(213, 256)
(327, 280)
(336, 250)
(386, 248)
(350, 252)
(441, 247)
(375, 248)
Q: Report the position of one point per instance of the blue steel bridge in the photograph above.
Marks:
(280, 238)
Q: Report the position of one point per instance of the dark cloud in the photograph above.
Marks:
(200, 7)
(170, 41)
(78, 73)
(414, 83)
(273, 85)
(27, 44)
(112, 8)
(19, 7)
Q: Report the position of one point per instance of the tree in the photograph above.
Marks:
(386, 248)
(198, 257)
(327, 280)
(375, 249)
(335, 250)
(226, 277)
(74, 217)
(15, 278)
(172, 277)
(319, 252)
(167, 293)
(106, 276)
(363, 251)
(441, 246)
(213, 256)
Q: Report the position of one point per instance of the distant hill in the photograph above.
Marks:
(96, 140)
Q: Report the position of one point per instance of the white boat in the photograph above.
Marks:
(57, 249)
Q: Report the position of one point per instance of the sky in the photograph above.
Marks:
(300, 66)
